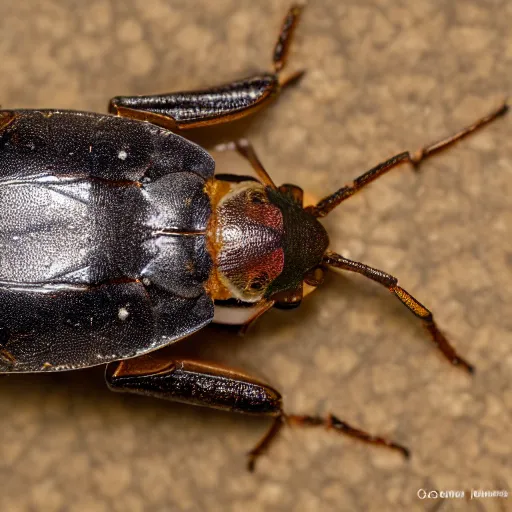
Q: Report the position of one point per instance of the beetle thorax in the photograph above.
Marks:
(247, 233)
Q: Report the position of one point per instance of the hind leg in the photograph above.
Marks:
(213, 386)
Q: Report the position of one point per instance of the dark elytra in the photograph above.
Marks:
(78, 239)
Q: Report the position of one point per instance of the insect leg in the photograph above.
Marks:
(330, 202)
(391, 283)
(213, 386)
(221, 104)
(330, 422)
(193, 382)
(245, 149)
(283, 43)
(6, 118)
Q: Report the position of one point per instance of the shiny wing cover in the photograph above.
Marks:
(102, 239)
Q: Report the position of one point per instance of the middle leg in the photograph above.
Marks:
(213, 386)
(245, 149)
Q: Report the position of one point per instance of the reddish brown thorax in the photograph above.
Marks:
(262, 243)
(249, 235)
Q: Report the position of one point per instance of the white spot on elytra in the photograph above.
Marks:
(122, 155)
(123, 314)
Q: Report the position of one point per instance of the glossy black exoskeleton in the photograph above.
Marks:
(116, 239)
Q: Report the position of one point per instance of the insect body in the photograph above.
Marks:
(117, 238)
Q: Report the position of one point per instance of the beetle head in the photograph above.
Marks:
(267, 244)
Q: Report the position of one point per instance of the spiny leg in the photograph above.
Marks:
(330, 422)
(391, 283)
(330, 202)
(215, 105)
(210, 385)
(283, 44)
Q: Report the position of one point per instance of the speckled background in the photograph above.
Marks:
(382, 77)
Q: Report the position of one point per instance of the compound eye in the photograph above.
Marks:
(257, 197)
(259, 282)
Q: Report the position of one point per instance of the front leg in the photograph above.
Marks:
(209, 385)
(222, 104)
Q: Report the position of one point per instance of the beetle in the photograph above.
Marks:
(118, 239)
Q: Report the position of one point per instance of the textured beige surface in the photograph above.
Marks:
(382, 77)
